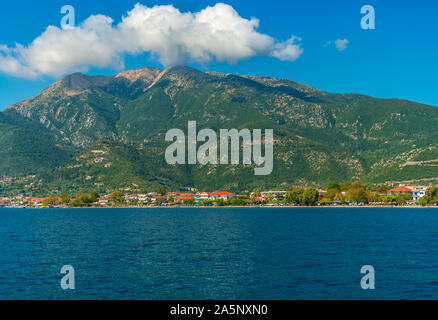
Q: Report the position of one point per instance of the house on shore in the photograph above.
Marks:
(203, 196)
(142, 198)
(417, 192)
(206, 196)
(131, 198)
(400, 190)
(172, 195)
(224, 195)
(106, 201)
(158, 198)
(181, 197)
(274, 194)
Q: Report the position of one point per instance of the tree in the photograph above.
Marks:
(332, 194)
(93, 197)
(207, 203)
(294, 196)
(345, 186)
(118, 196)
(400, 199)
(424, 201)
(65, 198)
(382, 189)
(255, 195)
(434, 193)
(373, 197)
(325, 201)
(51, 200)
(77, 203)
(81, 199)
(269, 198)
(237, 202)
(389, 199)
(80, 194)
(162, 191)
(309, 197)
(357, 193)
(334, 186)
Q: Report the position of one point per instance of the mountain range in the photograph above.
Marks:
(98, 132)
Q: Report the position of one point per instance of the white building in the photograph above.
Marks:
(276, 195)
(418, 192)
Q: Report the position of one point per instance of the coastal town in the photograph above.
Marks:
(335, 194)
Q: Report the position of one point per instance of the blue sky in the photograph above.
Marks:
(396, 60)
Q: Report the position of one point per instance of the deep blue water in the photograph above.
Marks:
(225, 253)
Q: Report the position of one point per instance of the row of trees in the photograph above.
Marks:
(358, 193)
(82, 199)
(303, 196)
(346, 192)
(355, 192)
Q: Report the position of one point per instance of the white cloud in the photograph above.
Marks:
(215, 33)
(287, 51)
(341, 44)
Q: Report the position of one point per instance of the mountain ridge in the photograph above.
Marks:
(319, 136)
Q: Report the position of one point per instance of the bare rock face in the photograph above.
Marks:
(146, 74)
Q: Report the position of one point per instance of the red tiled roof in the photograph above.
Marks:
(222, 193)
(186, 197)
(159, 197)
(400, 189)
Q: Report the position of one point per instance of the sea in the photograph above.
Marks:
(219, 253)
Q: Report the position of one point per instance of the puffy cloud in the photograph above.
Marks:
(215, 33)
(287, 51)
(341, 44)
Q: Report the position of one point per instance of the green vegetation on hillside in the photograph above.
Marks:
(319, 137)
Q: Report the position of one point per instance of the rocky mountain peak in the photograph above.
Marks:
(145, 74)
(79, 82)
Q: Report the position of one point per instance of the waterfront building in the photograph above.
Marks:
(417, 192)
(224, 195)
(185, 197)
(203, 196)
(105, 201)
(276, 195)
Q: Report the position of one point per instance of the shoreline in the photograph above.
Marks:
(231, 207)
